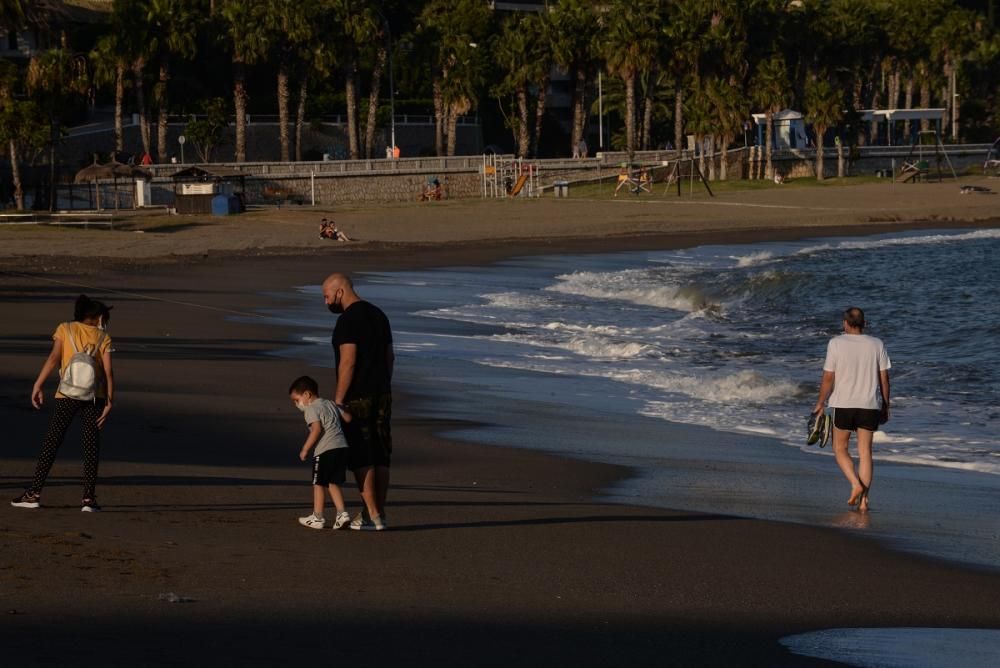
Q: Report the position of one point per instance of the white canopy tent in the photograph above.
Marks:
(891, 116)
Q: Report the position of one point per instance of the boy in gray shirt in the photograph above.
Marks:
(329, 450)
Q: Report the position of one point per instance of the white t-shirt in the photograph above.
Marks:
(324, 412)
(855, 360)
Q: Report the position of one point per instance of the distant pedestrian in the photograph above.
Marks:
(362, 344)
(328, 449)
(81, 349)
(856, 381)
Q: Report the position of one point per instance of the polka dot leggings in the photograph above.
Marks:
(66, 410)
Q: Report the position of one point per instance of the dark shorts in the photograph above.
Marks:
(330, 468)
(852, 419)
(368, 433)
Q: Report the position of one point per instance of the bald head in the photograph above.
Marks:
(338, 292)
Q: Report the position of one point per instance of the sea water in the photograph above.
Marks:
(586, 354)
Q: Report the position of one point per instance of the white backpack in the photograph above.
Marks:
(81, 377)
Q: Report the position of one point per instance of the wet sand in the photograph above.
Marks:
(494, 557)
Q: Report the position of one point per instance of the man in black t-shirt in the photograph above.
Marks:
(362, 344)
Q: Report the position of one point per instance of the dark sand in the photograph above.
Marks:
(495, 556)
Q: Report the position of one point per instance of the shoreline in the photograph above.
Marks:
(486, 550)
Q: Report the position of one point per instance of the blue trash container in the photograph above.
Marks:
(220, 205)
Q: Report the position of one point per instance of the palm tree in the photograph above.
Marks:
(683, 33)
(358, 26)
(19, 126)
(316, 60)
(573, 32)
(629, 43)
(173, 30)
(954, 37)
(824, 109)
(453, 29)
(54, 78)
(730, 112)
(131, 32)
(109, 66)
(770, 91)
(512, 51)
(245, 24)
(291, 25)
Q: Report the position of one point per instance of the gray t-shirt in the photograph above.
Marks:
(324, 412)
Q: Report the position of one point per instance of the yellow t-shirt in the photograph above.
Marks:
(85, 337)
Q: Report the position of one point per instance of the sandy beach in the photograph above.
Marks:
(495, 556)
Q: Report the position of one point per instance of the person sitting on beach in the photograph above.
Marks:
(81, 349)
(328, 448)
(432, 191)
(328, 230)
(856, 381)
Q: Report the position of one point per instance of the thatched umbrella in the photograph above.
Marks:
(94, 173)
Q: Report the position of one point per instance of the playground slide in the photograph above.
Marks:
(521, 180)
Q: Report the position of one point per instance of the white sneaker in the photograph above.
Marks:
(361, 522)
(343, 519)
(313, 521)
(378, 523)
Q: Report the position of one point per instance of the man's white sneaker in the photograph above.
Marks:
(343, 519)
(361, 522)
(313, 521)
(378, 524)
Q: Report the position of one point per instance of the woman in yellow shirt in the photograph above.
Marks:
(87, 333)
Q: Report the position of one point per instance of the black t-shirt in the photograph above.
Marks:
(366, 326)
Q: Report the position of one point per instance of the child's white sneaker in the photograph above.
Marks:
(313, 521)
(343, 519)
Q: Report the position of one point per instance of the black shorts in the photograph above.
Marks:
(330, 468)
(852, 419)
(368, 433)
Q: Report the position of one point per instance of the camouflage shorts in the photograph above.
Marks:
(368, 433)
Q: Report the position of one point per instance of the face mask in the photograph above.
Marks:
(301, 406)
(336, 308)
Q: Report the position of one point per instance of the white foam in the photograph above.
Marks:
(637, 286)
(992, 233)
(754, 259)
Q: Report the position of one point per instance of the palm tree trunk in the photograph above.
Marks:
(700, 148)
(439, 118)
(768, 141)
(724, 159)
(283, 99)
(15, 172)
(119, 106)
(678, 118)
(579, 115)
(629, 113)
(543, 86)
(647, 120)
(820, 131)
(452, 130)
(522, 121)
(161, 122)
(908, 104)
(925, 101)
(140, 104)
(711, 157)
(373, 95)
(300, 116)
(240, 106)
(53, 138)
(840, 159)
(351, 95)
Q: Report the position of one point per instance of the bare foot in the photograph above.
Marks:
(863, 503)
(857, 494)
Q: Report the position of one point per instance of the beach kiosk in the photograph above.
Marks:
(789, 129)
(209, 189)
